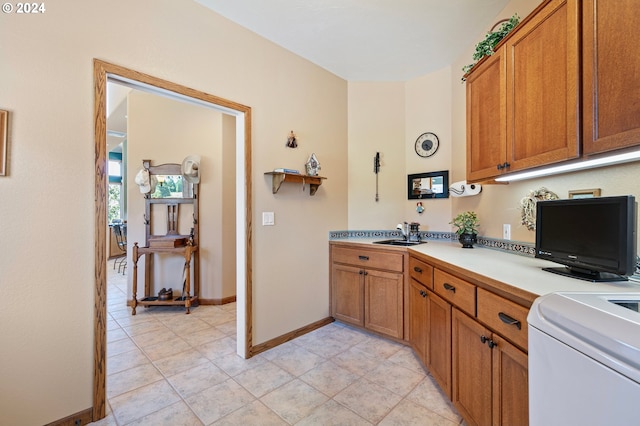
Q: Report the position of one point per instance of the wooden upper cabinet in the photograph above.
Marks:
(486, 118)
(611, 75)
(543, 74)
(523, 102)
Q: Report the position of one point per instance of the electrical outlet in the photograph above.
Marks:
(506, 231)
(268, 219)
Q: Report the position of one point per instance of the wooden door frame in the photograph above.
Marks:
(102, 71)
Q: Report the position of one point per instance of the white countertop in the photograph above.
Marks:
(521, 272)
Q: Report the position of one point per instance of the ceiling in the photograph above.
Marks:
(368, 40)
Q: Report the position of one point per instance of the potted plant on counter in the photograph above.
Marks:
(467, 228)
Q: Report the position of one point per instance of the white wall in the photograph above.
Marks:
(47, 212)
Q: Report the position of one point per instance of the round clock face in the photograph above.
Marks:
(427, 144)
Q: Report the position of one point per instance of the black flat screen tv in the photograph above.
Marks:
(595, 238)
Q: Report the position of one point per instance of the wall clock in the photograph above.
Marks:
(427, 144)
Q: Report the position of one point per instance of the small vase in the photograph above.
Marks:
(468, 240)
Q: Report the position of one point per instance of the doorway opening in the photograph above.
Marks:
(103, 73)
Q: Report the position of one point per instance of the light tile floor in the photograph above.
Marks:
(168, 368)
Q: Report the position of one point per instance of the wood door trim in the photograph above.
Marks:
(101, 71)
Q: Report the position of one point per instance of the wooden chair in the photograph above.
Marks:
(120, 231)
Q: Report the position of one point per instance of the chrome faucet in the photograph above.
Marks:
(404, 228)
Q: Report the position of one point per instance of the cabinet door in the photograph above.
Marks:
(510, 384)
(611, 67)
(383, 302)
(439, 343)
(543, 75)
(418, 319)
(471, 369)
(486, 118)
(347, 294)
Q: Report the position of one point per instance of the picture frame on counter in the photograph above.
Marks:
(421, 186)
(584, 193)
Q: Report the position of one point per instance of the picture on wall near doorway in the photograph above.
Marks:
(4, 125)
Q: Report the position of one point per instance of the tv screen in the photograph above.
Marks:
(595, 238)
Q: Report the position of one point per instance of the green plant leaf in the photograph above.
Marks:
(491, 39)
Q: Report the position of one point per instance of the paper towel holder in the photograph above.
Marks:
(464, 189)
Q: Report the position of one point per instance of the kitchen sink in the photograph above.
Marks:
(397, 242)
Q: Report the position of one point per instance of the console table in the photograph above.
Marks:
(186, 251)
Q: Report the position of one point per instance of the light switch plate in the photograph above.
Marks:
(506, 231)
(268, 219)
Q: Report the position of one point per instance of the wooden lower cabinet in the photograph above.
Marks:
(490, 376)
(347, 295)
(430, 332)
(510, 384)
(383, 304)
(439, 349)
(418, 323)
(471, 393)
(367, 295)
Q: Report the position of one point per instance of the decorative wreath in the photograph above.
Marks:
(528, 205)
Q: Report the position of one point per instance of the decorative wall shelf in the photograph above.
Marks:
(278, 177)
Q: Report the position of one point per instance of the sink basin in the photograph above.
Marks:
(399, 242)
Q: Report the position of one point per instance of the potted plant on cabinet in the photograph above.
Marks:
(467, 228)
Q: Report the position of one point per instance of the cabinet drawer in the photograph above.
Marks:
(421, 272)
(455, 290)
(369, 258)
(503, 316)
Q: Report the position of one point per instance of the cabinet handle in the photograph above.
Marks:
(366, 273)
(499, 166)
(423, 293)
(504, 165)
(508, 320)
(363, 257)
(491, 343)
(360, 272)
(449, 287)
(418, 270)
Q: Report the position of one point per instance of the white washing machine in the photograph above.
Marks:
(584, 359)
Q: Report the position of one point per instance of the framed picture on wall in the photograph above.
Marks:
(428, 185)
(584, 193)
(4, 124)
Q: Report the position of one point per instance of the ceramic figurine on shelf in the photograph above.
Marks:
(312, 165)
(291, 140)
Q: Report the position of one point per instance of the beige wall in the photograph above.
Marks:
(376, 124)
(47, 217)
(437, 102)
(429, 110)
(166, 131)
(47, 262)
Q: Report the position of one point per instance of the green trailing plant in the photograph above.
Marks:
(485, 47)
(466, 223)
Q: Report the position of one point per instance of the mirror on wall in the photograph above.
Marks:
(172, 186)
(428, 185)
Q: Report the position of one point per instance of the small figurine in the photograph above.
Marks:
(419, 207)
(312, 165)
(291, 141)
